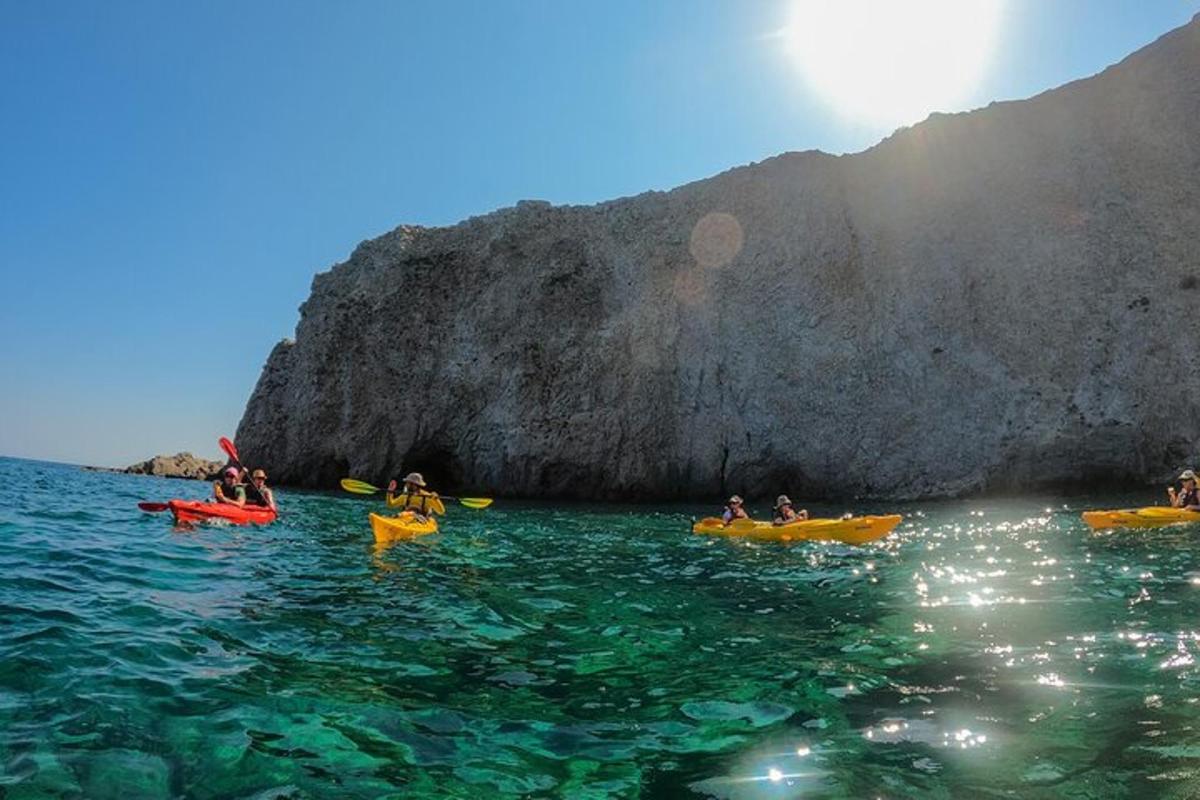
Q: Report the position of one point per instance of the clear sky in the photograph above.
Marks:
(173, 174)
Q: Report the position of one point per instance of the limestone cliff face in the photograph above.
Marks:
(1001, 299)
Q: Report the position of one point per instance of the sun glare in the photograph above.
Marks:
(892, 62)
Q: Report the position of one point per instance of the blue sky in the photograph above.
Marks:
(173, 174)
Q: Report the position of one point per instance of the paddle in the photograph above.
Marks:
(362, 487)
(230, 451)
(153, 507)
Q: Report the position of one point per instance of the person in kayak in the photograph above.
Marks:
(415, 497)
(734, 510)
(1188, 496)
(785, 513)
(229, 489)
(257, 493)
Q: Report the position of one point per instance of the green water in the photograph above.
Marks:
(986, 649)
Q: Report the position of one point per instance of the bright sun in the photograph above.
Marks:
(892, 62)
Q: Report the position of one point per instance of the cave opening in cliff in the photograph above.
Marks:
(437, 464)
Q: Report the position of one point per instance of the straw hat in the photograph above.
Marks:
(415, 477)
(735, 501)
(782, 500)
(1187, 475)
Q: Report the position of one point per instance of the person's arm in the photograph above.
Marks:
(1174, 498)
(391, 495)
(269, 496)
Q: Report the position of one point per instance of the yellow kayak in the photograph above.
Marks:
(856, 530)
(404, 526)
(1150, 517)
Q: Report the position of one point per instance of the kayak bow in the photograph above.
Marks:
(404, 526)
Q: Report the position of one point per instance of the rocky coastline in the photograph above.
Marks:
(180, 465)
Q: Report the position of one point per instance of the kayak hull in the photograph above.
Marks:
(193, 511)
(1149, 517)
(404, 526)
(855, 530)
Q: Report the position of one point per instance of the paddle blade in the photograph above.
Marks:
(153, 507)
(229, 449)
(358, 487)
(476, 502)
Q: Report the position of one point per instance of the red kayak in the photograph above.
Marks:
(187, 511)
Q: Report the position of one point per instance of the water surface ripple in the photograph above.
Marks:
(989, 649)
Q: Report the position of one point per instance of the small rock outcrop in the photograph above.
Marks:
(180, 465)
(996, 300)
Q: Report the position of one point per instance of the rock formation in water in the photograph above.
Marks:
(995, 300)
(180, 465)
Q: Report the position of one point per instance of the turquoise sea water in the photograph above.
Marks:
(986, 649)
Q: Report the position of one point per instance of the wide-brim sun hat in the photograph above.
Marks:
(415, 478)
(1187, 475)
(735, 500)
(782, 500)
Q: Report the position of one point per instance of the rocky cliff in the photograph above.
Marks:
(1002, 299)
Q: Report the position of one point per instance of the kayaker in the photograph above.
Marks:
(257, 493)
(734, 510)
(1189, 494)
(229, 490)
(785, 513)
(415, 497)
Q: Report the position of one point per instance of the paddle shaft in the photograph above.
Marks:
(355, 486)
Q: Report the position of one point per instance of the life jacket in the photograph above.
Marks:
(230, 492)
(419, 501)
(254, 497)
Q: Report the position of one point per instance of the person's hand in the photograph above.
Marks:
(392, 486)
